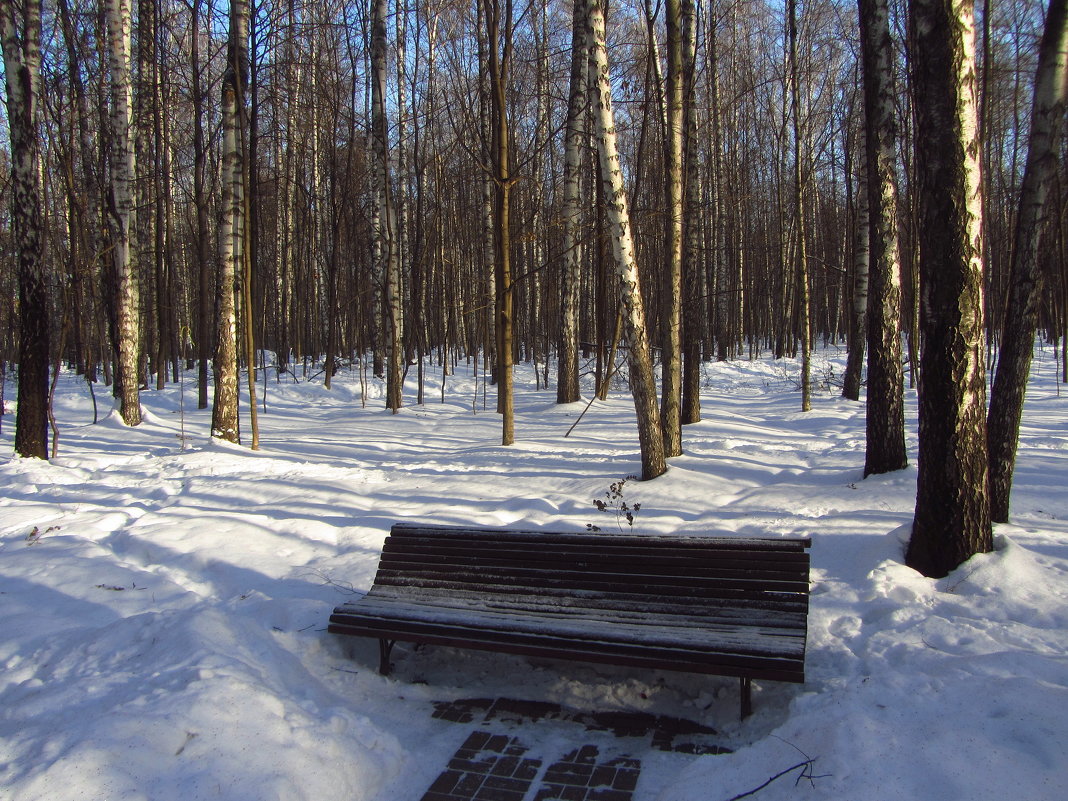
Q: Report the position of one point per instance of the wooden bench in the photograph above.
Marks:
(715, 605)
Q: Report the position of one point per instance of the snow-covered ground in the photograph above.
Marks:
(163, 597)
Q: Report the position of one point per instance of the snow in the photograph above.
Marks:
(164, 597)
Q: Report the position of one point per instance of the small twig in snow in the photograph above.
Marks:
(806, 773)
(953, 587)
(341, 586)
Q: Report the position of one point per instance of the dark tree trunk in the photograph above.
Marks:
(21, 40)
(885, 397)
(858, 330)
(1021, 317)
(952, 520)
(567, 388)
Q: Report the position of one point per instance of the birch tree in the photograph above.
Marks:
(567, 388)
(498, 17)
(117, 17)
(386, 233)
(800, 253)
(671, 290)
(952, 519)
(693, 270)
(200, 202)
(20, 37)
(225, 422)
(1021, 314)
(885, 425)
(642, 380)
(858, 329)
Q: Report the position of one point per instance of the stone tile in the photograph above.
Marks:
(495, 794)
(468, 784)
(512, 785)
(505, 766)
(527, 770)
(607, 794)
(464, 711)
(445, 782)
(487, 767)
(570, 774)
(626, 779)
(560, 792)
(523, 711)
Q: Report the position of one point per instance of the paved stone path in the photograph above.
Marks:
(496, 766)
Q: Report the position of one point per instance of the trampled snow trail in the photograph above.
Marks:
(163, 597)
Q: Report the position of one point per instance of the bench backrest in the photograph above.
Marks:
(665, 575)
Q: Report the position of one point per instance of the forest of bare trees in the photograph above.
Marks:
(294, 186)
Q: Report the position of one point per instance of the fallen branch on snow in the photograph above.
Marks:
(806, 773)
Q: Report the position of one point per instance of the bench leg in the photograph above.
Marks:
(747, 698)
(384, 648)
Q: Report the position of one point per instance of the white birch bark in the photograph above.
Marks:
(225, 422)
(693, 259)
(21, 45)
(1021, 319)
(671, 288)
(401, 201)
(119, 23)
(952, 519)
(488, 239)
(498, 18)
(386, 233)
(885, 428)
(643, 382)
(567, 390)
(800, 252)
(858, 331)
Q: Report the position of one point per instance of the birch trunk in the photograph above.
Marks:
(224, 418)
(800, 254)
(567, 389)
(858, 329)
(692, 263)
(200, 200)
(642, 380)
(489, 303)
(728, 296)
(386, 233)
(952, 519)
(671, 289)
(1021, 318)
(118, 19)
(403, 260)
(499, 33)
(21, 42)
(885, 448)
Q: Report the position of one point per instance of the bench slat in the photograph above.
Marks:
(637, 606)
(598, 549)
(442, 534)
(489, 573)
(740, 639)
(655, 630)
(781, 565)
(532, 644)
(605, 589)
